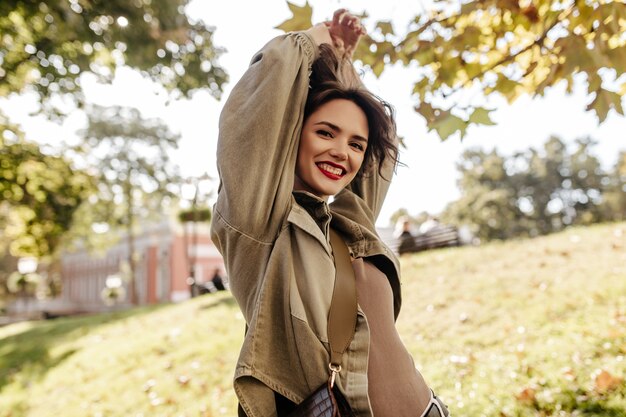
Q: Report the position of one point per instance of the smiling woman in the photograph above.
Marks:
(320, 133)
(335, 79)
(332, 148)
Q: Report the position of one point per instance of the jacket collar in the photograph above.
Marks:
(359, 233)
(314, 205)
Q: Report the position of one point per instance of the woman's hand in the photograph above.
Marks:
(345, 31)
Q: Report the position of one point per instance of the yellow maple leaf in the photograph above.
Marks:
(301, 19)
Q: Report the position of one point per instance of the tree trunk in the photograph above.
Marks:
(130, 222)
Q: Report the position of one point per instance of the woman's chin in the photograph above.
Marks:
(321, 187)
(326, 191)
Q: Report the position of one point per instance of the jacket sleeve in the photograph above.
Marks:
(259, 132)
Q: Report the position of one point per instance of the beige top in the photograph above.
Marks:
(395, 387)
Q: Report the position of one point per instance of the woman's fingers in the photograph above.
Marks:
(353, 23)
(345, 30)
(338, 15)
(344, 18)
(348, 20)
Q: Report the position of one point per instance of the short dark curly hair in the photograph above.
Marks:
(329, 82)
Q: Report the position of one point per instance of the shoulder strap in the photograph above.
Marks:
(343, 307)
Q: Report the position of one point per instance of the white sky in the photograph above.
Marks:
(428, 182)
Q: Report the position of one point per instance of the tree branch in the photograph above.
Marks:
(537, 42)
(428, 24)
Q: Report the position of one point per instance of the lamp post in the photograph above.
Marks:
(193, 215)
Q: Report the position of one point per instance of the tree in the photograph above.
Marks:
(403, 214)
(582, 190)
(529, 193)
(545, 173)
(136, 176)
(614, 191)
(8, 265)
(488, 203)
(399, 214)
(498, 48)
(562, 187)
(39, 196)
(47, 46)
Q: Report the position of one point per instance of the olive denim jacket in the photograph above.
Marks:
(275, 241)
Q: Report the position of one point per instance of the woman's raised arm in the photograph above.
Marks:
(259, 134)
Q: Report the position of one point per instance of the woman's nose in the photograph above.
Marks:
(339, 151)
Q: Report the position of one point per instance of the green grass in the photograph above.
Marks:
(511, 329)
(173, 360)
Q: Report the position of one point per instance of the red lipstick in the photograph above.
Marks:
(329, 174)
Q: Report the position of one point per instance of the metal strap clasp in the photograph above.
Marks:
(334, 370)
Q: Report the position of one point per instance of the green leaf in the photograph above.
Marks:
(472, 69)
(446, 124)
(363, 52)
(617, 58)
(480, 116)
(611, 16)
(606, 100)
(378, 67)
(594, 82)
(471, 36)
(301, 19)
(556, 73)
(427, 111)
(410, 42)
(448, 69)
(507, 87)
(425, 54)
(585, 12)
(421, 86)
(385, 27)
(576, 56)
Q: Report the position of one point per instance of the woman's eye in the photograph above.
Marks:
(325, 133)
(357, 145)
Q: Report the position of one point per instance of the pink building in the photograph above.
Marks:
(162, 268)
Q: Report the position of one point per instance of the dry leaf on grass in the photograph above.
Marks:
(527, 395)
(605, 381)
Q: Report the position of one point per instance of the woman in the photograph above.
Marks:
(297, 129)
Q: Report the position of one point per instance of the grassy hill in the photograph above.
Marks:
(524, 328)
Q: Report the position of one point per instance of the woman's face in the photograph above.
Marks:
(332, 148)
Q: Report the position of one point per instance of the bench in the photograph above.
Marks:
(437, 237)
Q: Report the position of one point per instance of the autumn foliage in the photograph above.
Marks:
(498, 48)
